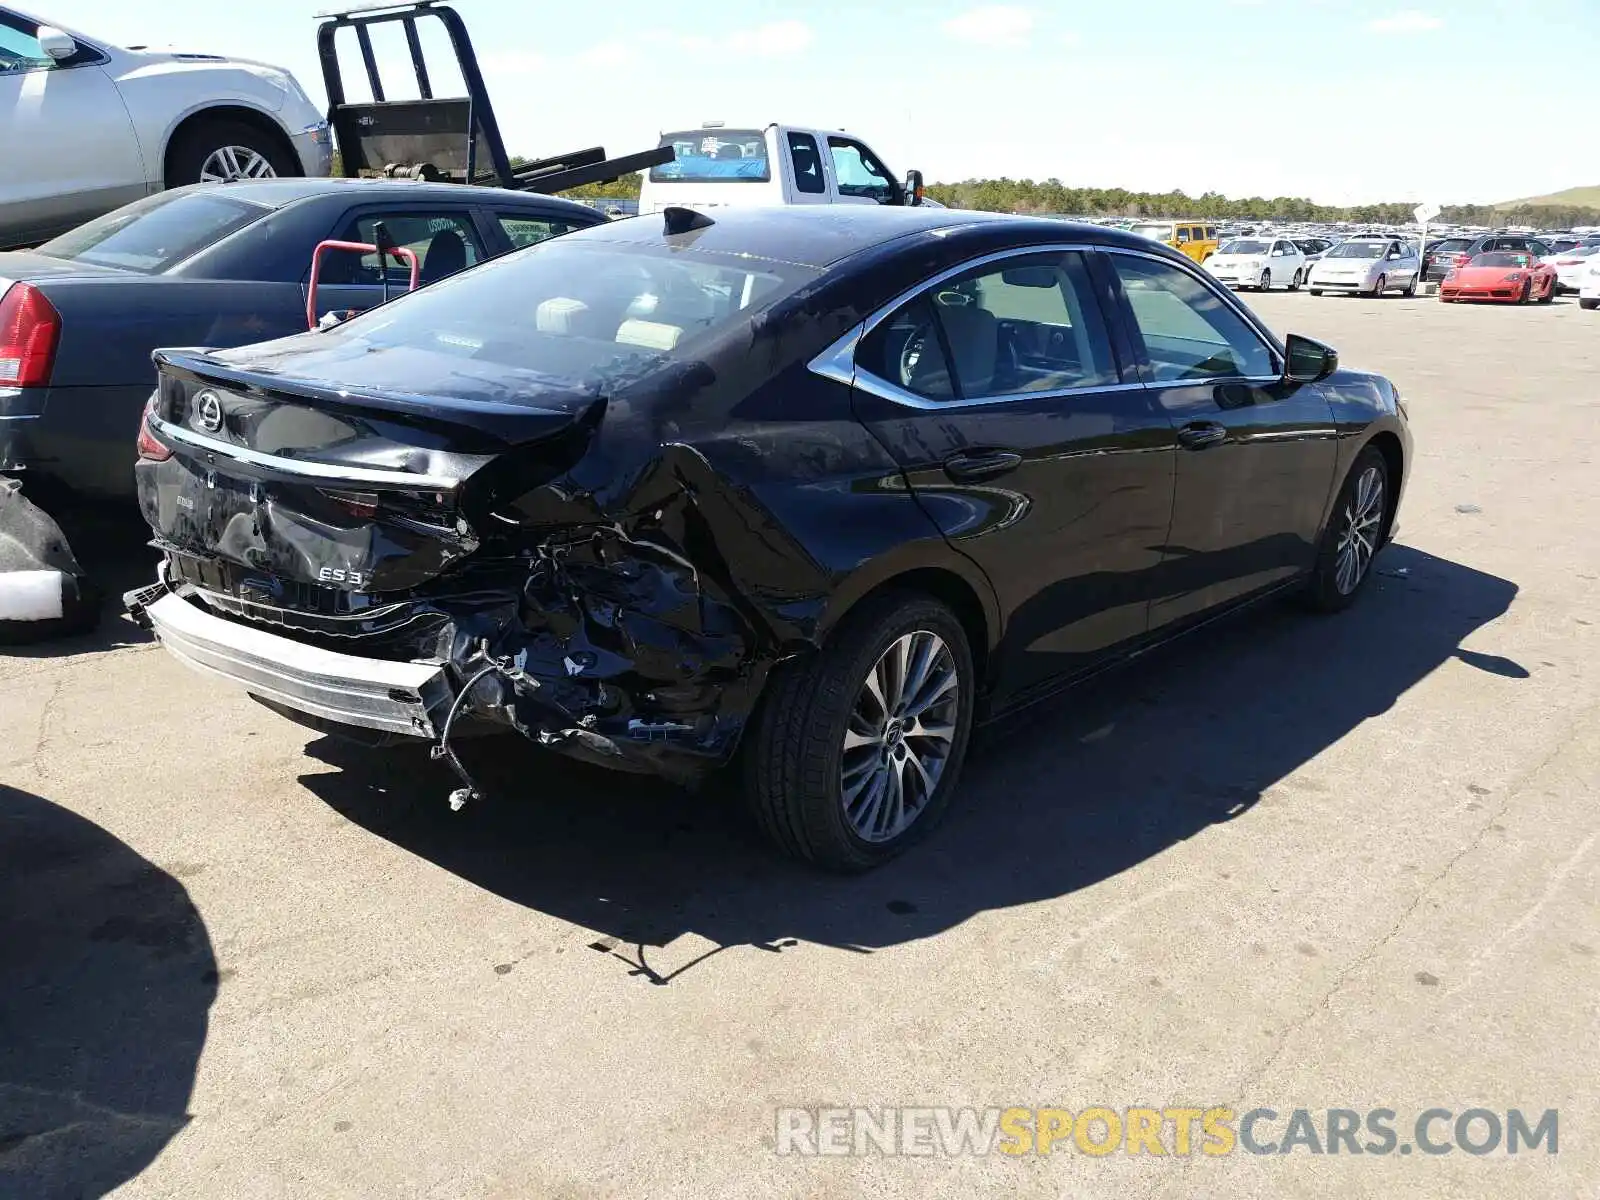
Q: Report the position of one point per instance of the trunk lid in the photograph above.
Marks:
(24, 266)
(366, 486)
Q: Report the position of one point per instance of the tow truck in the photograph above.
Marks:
(440, 138)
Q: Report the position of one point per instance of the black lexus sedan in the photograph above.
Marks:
(214, 265)
(807, 490)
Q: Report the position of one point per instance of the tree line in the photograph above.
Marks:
(1053, 196)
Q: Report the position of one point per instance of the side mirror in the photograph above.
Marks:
(914, 188)
(56, 44)
(1307, 360)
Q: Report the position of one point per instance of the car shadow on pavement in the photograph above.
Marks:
(1073, 792)
(106, 981)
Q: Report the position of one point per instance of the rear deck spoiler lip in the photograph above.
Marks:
(326, 472)
(504, 424)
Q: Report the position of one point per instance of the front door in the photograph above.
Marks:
(69, 151)
(997, 392)
(1256, 455)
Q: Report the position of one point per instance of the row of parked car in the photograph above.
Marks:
(1507, 267)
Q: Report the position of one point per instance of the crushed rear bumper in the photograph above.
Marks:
(392, 697)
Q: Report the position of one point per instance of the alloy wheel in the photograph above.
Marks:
(1361, 525)
(899, 736)
(1266, 281)
(227, 163)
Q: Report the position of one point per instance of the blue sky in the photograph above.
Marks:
(1339, 100)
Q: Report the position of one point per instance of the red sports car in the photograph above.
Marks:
(1504, 276)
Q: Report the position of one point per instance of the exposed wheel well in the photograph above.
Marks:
(953, 591)
(1386, 444)
(226, 112)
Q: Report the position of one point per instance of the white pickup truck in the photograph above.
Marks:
(780, 164)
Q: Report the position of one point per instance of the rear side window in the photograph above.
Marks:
(156, 233)
(715, 156)
(523, 231)
(1031, 325)
(444, 244)
(807, 159)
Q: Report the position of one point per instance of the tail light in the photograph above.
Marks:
(1463, 259)
(30, 327)
(1569, 262)
(150, 447)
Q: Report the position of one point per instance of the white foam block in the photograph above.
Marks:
(31, 595)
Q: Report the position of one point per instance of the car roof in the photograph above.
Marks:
(821, 235)
(278, 193)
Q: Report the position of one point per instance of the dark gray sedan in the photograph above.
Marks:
(216, 266)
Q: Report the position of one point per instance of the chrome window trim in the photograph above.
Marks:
(294, 466)
(837, 362)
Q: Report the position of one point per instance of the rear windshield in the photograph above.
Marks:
(1501, 258)
(576, 311)
(1450, 244)
(155, 233)
(715, 156)
(1159, 233)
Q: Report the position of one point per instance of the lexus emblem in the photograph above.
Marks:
(208, 411)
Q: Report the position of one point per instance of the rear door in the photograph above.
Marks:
(997, 391)
(1256, 455)
(444, 237)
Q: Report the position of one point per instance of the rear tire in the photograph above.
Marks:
(1588, 304)
(215, 150)
(1354, 535)
(1316, 291)
(813, 729)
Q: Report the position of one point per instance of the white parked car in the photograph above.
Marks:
(1262, 263)
(87, 127)
(1572, 266)
(1589, 291)
(1368, 266)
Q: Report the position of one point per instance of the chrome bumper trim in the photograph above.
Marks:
(403, 698)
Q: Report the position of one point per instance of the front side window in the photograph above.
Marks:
(1030, 325)
(21, 51)
(807, 160)
(1189, 332)
(521, 230)
(155, 233)
(859, 173)
(444, 244)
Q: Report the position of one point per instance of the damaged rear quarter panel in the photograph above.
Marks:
(724, 519)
